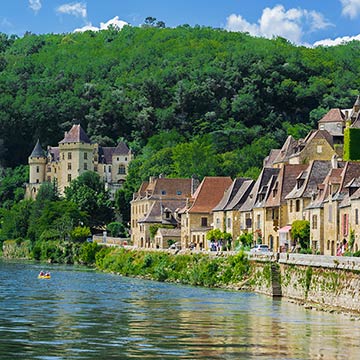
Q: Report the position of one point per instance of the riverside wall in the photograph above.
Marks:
(327, 282)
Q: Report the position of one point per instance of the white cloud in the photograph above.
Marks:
(351, 8)
(290, 24)
(337, 41)
(115, 22)
(75, 9)
(103, 26)
(35, 5)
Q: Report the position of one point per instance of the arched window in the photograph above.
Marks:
(122, 170)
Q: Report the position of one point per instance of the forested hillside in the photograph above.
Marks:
(187, 100)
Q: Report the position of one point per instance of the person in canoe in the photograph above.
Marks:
(41, 273)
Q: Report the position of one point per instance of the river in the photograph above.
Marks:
(84, 314)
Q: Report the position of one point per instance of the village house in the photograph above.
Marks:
(197, 215)
(252, 215)
(226, 213)
(74, 155)
(336, 210)
(276, 212)
(156, 203)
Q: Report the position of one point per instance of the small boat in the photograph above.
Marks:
(44, 276)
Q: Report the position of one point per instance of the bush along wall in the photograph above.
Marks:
(192, 269)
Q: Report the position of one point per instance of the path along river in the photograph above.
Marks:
(84, 314)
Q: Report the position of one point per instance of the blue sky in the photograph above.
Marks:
(306, 22)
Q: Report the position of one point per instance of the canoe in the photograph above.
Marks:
(44, 277)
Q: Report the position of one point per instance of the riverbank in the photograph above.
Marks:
(319, 282)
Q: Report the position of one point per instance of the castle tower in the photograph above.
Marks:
(37, 165)
(76, 153)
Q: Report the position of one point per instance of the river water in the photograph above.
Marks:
(84, 314)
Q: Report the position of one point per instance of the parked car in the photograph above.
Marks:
(260, 248)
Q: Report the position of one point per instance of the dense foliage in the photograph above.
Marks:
(194, 269)
(187, 100)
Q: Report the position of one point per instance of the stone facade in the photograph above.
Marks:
(73, 156)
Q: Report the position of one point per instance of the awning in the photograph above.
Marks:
(285, 229)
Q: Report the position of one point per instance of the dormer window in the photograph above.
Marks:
(322, 127)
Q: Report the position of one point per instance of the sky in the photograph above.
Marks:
(306, 22)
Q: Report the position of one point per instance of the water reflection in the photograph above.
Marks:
(81, 314)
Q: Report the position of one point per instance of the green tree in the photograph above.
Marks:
(89, 194)
(300, 231)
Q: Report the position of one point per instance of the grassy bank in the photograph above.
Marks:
(193, 269)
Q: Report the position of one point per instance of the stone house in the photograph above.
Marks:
(74, 155)
(337, 208)
(305, 189)
(156, 203)
(316, 208)
(226, 213)
(276, 213)
(252, 214)
(354, 216)
(164, 238)
(197, 215)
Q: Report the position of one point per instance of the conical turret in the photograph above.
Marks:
(38, 151)
(37, 162)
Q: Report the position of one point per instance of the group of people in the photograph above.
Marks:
(42, 273)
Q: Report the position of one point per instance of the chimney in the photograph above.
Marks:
(334, 161)
(195, 182)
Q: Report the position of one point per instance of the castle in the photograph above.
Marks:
(74, 155)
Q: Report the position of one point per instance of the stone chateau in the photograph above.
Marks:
(306, 179)
(74, 155)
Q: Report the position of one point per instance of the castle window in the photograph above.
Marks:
(69, 177)
(357, 216)
(63, 156)
(117, 159)
(37, 181)
(204, 221)
(48, 169)
(85, 166)
(291, 206)
(122, 170)
(69, 155)
(37, 169)
(69, 166)
(229, 222)
(297, 205)
(85, 156)
(125, 158)
(319, 149)
(55, 170)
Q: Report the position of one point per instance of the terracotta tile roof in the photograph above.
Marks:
(165, 188)
(285, 182)
(209, 193)
(333, 115)
(229, 194)
(156, 211)
(38, 150)
(75, 135)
